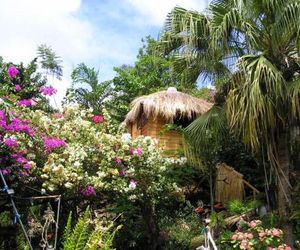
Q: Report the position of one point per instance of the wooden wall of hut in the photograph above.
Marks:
(168, 140)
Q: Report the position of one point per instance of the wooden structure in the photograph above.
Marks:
(150, 114)
(230, 184)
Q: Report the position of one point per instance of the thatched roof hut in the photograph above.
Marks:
(150, 113)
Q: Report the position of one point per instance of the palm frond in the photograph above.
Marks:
(203, 136)
(230, 23)
(286, 27)
(253, 106)
(294, 92)
(85, 75)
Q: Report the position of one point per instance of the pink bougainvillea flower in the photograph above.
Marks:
(27, 166)
(132, 184)
(53, 143)
(24, 173)
(18, 87)
(2, 114)
(123, 173)
(137, 151)
(48, 90)
(18, 125)
(97, 119)
(118, 160)
(21, 159)
(10, 142)
(5, 172)
(88, 191)
(25, 103)
(12, 71)
(58, 115)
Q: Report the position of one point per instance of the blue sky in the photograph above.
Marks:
(101, 33)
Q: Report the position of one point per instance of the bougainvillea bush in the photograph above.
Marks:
(82, 156)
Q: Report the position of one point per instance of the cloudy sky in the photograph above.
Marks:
(101, 33)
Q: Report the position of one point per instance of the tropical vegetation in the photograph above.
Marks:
(74, 178)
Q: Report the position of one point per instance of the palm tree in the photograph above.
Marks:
(90, 93)
(254, 46)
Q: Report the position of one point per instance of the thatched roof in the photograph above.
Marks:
(169, 104)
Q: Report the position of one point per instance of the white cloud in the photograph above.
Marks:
(26, 24)
(154, 12)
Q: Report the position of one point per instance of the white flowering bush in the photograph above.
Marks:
(98, 157)
(86, 159)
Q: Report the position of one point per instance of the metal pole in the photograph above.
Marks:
(17, 215)
(57, 220)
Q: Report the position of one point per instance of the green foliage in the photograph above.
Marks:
(240, 207)
(86, 89)
(68, 228)
(152, 72)
(85, 236)
(182, 229)
(204, 136)
(5, 218)
(29, 79)
(230, 42)
(79, 236)
(171, 127)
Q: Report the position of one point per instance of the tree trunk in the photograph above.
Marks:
(284, 189)
(149, 216)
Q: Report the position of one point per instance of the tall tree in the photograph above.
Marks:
(86, 89)
(255, 46)
(150, 73)
(50, 61)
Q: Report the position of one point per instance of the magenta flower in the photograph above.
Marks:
(25, 103)
(21, 159)
(24, 173)
(12, 71)
(123, 173)
(2, 114)
(10, 142)
(53, 143)
(18, 87)
(118, 160)
(88, 191)
(5, 172)
(18, 125)
(137, 151)
(27, 166)
(48, 90)
(2, 119)
(97, 119)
